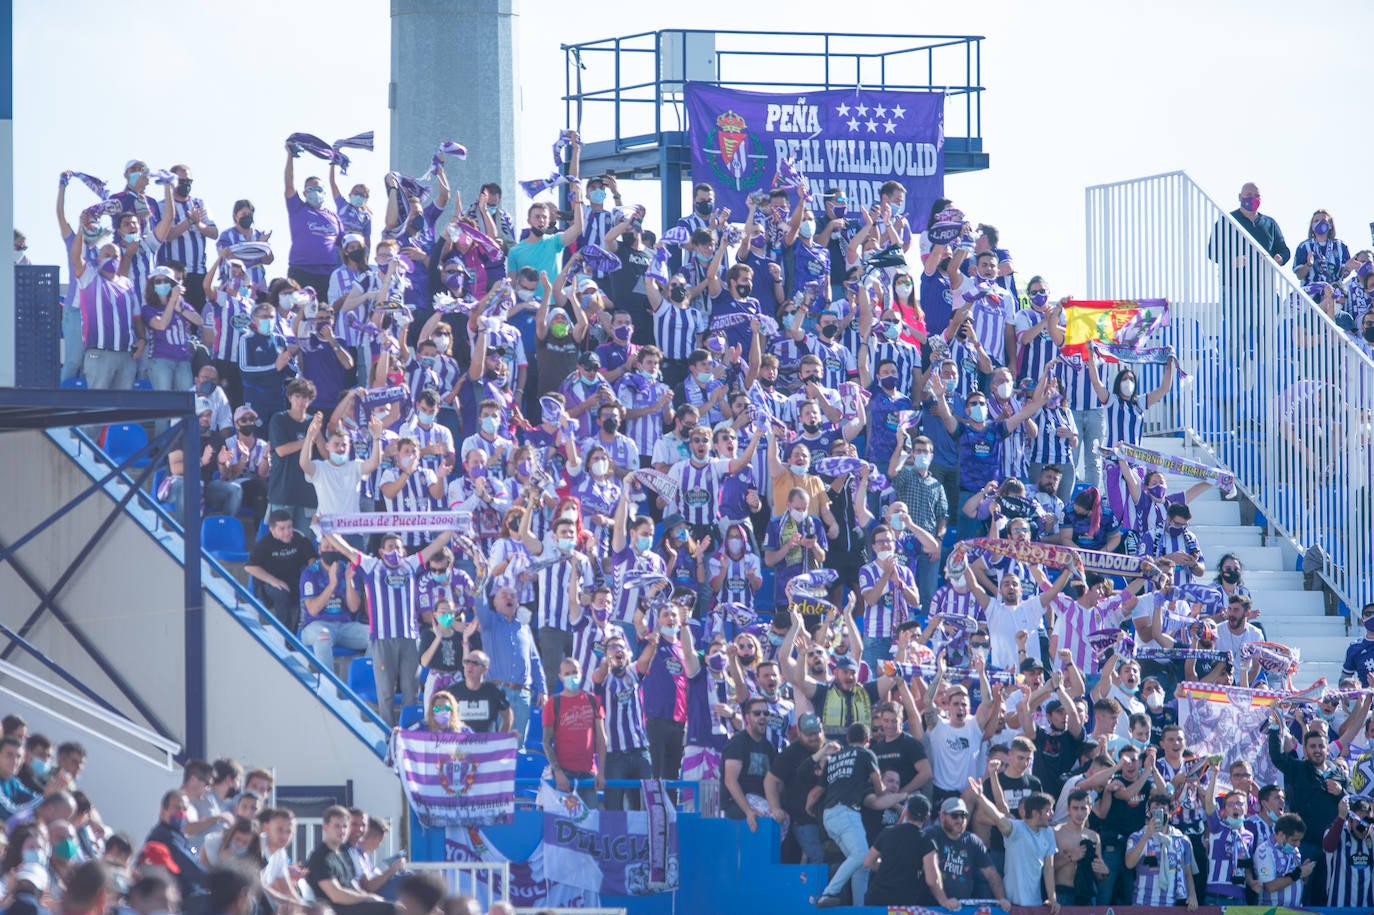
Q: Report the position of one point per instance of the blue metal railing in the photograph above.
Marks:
(312, 674)
(627, 72)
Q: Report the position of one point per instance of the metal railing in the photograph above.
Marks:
(485, 881)
(224, 588)
(1279, 394)
(631, 86)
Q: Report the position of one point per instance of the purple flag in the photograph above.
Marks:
(854, 139)
(658, 270)
(677, 235)
(948, 225)
(411, 187)
(357, 141)
(538, 186)
(599, 259)
(457, 779)
(308, 142)
(446, 148)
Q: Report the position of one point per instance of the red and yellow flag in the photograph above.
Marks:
(1121, 322)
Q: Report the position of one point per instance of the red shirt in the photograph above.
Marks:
(574, 732)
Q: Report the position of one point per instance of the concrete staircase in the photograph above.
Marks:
(1289, 614)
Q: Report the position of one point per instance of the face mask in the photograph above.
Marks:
(1003, 390)
(1176, 529)
(1230, 576)
(978, 413)
(703, 207)
(1039, 299)
(797, 515)
(704, 378)
(897, 523)
(1321, 227)
(806, 229)
(1368, 333)
(163, 289)
(1154, 702)
(892, 331)
(392, 557)
(677, 293)
(597, 196)
(619, 669)
(443, 718)
(829, 331)
(644, 544)
(896, 206)
(885, 555)
(338, 460)
(489, 425)
(1272, 815)
(109, 265)
(735, 545)
(921, 461)
(716, 663)
(903, 290)
(610, 425)
(601, 468)
(951, 384)
(788, 320)
(394, 378)
(135, 177)
(33, 856)
(357, 200)
(742, 290)
(245, 221)
(888, 383)
(558, 330)
(1128, 389)
(1156, 491)
(1251, 203)
(264, 326)
(565, 544)
(1234, 822)
(314, 196)
(177, 821)
(1054, 400)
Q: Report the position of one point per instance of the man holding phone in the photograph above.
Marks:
(1162, 858)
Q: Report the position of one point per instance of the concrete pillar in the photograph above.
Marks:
(453, 78)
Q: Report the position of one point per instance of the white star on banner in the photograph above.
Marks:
(853, 124)
(872, 126)
(890, 127)
(862, 110)
(899, 112)
(880, 111)
(842, 110)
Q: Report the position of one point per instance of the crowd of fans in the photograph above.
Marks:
(216, 846)
(829, 398)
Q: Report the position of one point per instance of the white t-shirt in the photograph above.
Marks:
(1229, 641)
(278, 865)
(336, 487)
(1027, 850)
(954, 753)
(1130, 705)
(1004, 621)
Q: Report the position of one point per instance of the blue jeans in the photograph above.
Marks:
(876, 648)
(321, 637)
(108, 370)
(927, 579)
(846, 827)
(809, 838)
(1091, 431)
(626, 764)
(217, 497)
(169, 375)
(519, 700)
(1118, 888)
(73, 342)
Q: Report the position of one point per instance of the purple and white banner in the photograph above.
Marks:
(457, 779)
(854, 139)
(610, 853)
(399, 522)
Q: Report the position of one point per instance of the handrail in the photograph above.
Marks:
(1282, 396)
(244, 596)
(169, 747)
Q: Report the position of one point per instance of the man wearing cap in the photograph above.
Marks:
(747, 759)
(315, 231)
(795, 771)
(905, 864)
(1359, 655)
(584, 392)
(1349, 849)
(191, 228)
(559, 334)
(844, 702)
(1057, 747)
(132, 199)
(243, 460)
(27, 889)
(965, 866)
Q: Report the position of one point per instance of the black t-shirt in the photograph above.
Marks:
(480, 708)
(324, 864)
(901, 877)
(1055, 756)
(798, 774)
(283, 560)
(962, 861)
(755, 757)
(899, 755)
(848, 777)
(1015, 790)
(286, 484)
(627, 290)
(448, 657)
(1124, 817)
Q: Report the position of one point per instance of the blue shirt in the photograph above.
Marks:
(510, 645)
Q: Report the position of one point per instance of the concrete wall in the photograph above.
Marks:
(453, 65)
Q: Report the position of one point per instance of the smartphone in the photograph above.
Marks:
(1159, 817)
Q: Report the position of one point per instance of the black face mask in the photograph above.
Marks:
(184, 187)
(811, 428)
(742, 290)
(677, 293)
(610, 424)
(245, 221)
(1369, 334)
(1230, 576)
(703, 207)
(811, 379)
(766, 382)
(205, 387)
(536, 232)
(247, 428)
(829, 331)
(358, 257)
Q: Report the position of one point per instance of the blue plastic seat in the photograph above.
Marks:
(123, 440)
(222, 538)
(74, 384)
(142, 384)
(412, 714)
(361, 681)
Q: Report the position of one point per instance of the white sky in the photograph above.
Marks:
(1077, 93)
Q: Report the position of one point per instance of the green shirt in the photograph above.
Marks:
(542, 255)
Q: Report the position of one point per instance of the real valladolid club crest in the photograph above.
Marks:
(457, 773)
(732, 155)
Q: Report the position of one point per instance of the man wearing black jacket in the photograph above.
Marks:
(1315, 786)
(190, 873)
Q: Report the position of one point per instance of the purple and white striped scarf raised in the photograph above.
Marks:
(457, 779)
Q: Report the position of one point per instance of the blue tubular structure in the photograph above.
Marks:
(305, 668)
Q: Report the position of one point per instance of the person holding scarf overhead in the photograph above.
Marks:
(315, 231)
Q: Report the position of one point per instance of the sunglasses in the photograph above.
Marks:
(469, 662)
(759, 713)
(441, 708)
(957, 816)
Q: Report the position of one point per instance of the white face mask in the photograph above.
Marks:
(1004, 390)
(978, 413)
(885, 555)
(797, 515)
(600, 468)
(1128, 389)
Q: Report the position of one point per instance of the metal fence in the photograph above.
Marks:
(1279, 394)
(485, 881)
